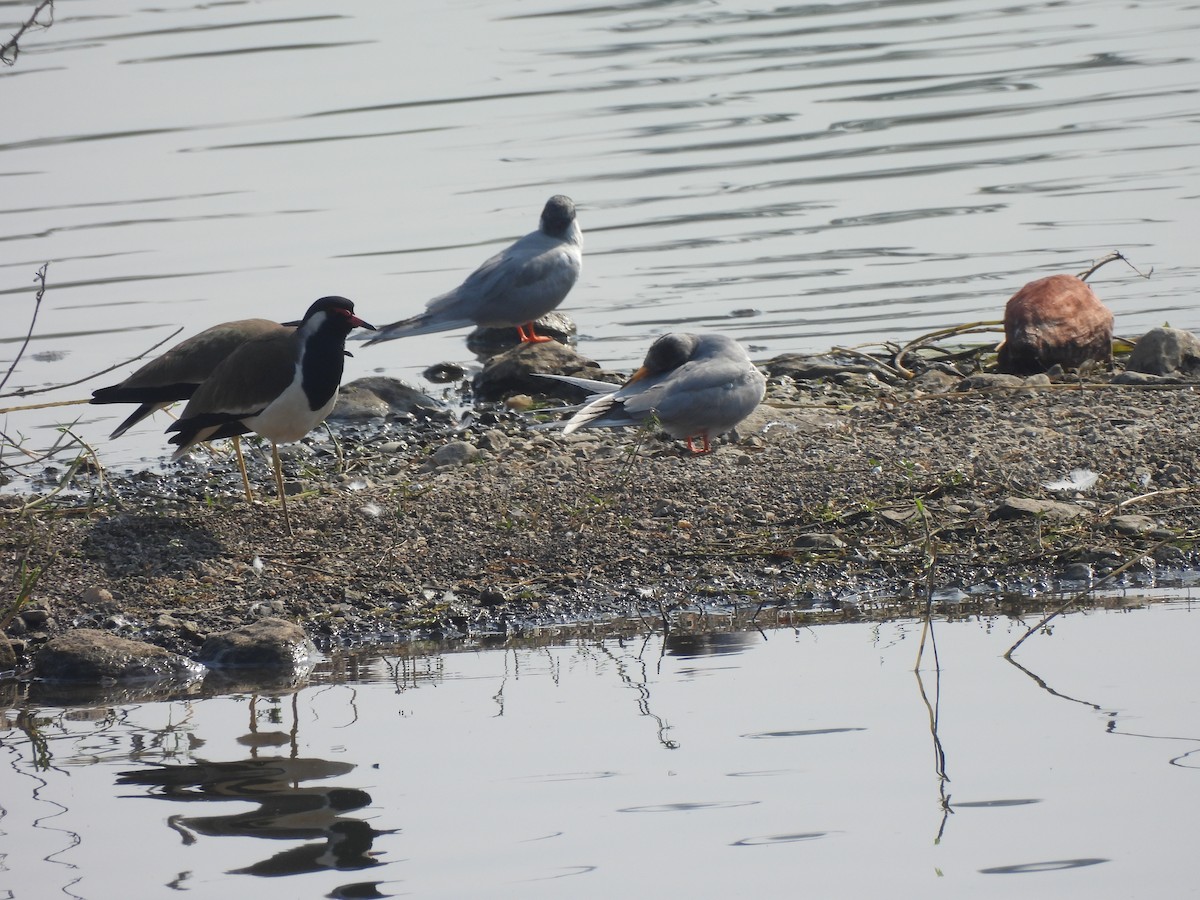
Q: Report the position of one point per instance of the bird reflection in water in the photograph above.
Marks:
(715, 643)
(285, 810)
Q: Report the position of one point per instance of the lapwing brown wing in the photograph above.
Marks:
(176, 374)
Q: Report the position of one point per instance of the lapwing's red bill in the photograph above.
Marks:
(355, 321)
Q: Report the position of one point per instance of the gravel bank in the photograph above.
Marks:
(843, 496)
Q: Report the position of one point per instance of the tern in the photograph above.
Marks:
(695, 386)
(512, 289)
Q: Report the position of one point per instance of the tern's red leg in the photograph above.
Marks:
(529, 336)
(704, 448)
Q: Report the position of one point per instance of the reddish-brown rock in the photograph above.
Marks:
(1057, 319)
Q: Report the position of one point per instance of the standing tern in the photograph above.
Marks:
(513, 288)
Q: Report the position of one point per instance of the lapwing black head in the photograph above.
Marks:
(280, 386)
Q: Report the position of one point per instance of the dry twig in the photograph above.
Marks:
(1113, 257)
(933, 336)
(10, 49)
(55, 387)
(40, 278)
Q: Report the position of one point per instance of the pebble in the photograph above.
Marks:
(455, 453)
(96, 596)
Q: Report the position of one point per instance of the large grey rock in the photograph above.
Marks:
(380, 397)
(817, 540)
(1128, 377)
(487, 342)
(97, 657)
(813, 366)
(1165, 351)
(268, 644)
(513, 372)
(1133, 524)
(984, 380)
(1029, 507)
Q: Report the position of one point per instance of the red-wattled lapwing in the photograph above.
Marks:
(177, 373)
(513, 288)
(695, 386)
(280, 385)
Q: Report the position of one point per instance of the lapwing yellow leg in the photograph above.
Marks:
(279, 486)
(241, 461)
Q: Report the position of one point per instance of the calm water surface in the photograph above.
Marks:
(799, 176)
(754, 764)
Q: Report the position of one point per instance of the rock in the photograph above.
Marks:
(379, 397)
(813, 366)
(1028, 507)
(1165, 351)
(97, 657)
(1169, 555)
(268, 644)
(97, 597)
(1054, 320)
(1133, 524)
(989, 380)
(512, 372)
(444, 373)
(487, 342)
(1143, 378)
(494, 439)
(936, 381)
(1078, 571)
(35, 619)
(455, 453)
(520, 403)
(819, 541)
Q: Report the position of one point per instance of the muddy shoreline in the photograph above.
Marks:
(847, 495)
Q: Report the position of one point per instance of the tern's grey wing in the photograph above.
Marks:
(691, 387)
(519, 285)
(709, 395)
